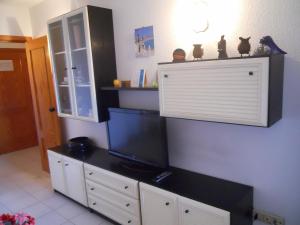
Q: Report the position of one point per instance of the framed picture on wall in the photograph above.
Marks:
(144, 41)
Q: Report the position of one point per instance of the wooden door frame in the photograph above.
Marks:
(41, 41)
(14, 38)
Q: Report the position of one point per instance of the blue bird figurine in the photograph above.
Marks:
(268, 41)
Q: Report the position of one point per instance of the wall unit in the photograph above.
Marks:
(132, 197)
(239, 90)
(67, 176)
(83, 59)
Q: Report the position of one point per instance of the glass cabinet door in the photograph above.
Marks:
(79, 66)
(59, 60)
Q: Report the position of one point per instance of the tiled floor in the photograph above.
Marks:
(24, 187)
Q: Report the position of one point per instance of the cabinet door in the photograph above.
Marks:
(56, 171)
(158, 206)
(81, 64)
(74, 178)
(197, 213)
(231, 91)
(62, 79)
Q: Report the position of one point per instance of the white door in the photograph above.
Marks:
(56, 172)
(74, 177)
(196, 213)
(158, 207)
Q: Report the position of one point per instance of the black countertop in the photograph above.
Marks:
(227, 195)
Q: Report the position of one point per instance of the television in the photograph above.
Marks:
(138, 135)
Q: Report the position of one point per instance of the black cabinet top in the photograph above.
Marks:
(213, 191)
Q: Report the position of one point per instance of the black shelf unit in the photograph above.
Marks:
(128, 89)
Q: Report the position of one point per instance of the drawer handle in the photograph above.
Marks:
(129, 221)
(166, 76)
(127, 205)
(92, 189)
(58, 161)
(250, 73)
(66, 164)
(126, 187)
(91, 173)
(94, 203)
(187, 211)
(167, 203)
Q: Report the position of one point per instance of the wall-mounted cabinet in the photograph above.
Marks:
(241, 90)
(83, 59)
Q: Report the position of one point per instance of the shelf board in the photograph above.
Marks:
(129, 89)
(79, 49)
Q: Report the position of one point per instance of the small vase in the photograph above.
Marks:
(198, 51)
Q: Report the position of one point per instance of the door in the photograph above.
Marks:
(75, 183)
(42, 89)
(17, 126)
(80, 64)
(158, 206)
(57, 172)
(61, 68)
(192, 212)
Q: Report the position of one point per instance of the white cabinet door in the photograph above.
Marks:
(74, 178)
(56, 172)
(158, 207)
(197, 213)
(231, 91)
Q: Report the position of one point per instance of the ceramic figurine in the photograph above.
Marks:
(178, 55)
(274, 49)
(262, 50)
(244, 46)
(198, 51)
(222, 48)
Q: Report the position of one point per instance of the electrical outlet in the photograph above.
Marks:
(268, 218)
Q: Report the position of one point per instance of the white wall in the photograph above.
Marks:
(266, 158)
(14, 20)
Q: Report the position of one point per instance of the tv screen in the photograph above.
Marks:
(138, 135)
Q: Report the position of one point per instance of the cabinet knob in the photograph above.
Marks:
(129, 221)
(91, 173)
(166, 75)
(92, 189)
(250, 73)
(187, 211)
(51, 109)
(66, 68)
(58, 161)
(126, 187)
(167, 203)
(127, 205)
(94, 203)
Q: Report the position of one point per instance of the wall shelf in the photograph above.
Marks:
(128, 89)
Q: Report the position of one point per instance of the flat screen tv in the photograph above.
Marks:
(138, 135)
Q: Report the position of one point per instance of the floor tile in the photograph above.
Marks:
(55, 201)
(37, 210)
(21, 203)
(71, 210)
(52, 218)
(88, 218)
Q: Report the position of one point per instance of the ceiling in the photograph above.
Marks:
(28, 3)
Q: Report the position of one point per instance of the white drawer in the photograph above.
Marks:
(111, 180)
(128, 204)
(112, 211)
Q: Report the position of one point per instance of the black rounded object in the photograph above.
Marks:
(79, 144)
